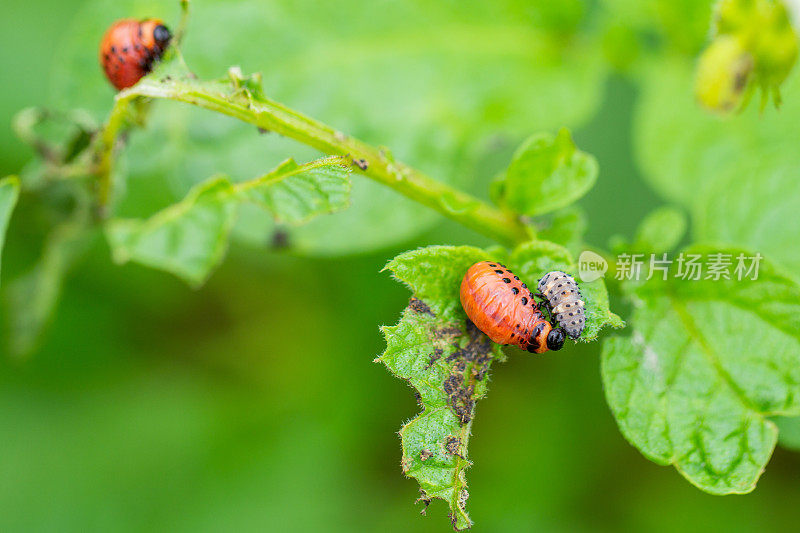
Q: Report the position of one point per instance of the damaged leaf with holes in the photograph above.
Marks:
(446, 359)
(447, 364)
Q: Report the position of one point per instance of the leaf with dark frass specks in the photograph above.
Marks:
(441, 354)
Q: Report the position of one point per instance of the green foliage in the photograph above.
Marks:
(661, 230)
(707, 165)
(295, 194)
(705, 366)
(9, 192)
(447, 363)
(32, 298)
(434, 91)
(546, 173)
(189, 239)
(441, 354)
(567, 228)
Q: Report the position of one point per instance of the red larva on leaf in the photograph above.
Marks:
(504, 309)
(130, 48)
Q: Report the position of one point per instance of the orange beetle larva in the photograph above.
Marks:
(504, 309)
(130, 48)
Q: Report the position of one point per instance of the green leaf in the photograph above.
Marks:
(434, 81)
(706, 365)
(705, 164)
(441, 354)
(187, 239)
(567, 228)
(446, 361)
(9, 193)
(547, 173)
(32, 298)
(533, 260)
(660, 231)
(295, 194)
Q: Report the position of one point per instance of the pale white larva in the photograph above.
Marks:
(563, 299)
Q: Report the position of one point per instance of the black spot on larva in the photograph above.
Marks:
(492, 265)
(524, 286)
(124, 49)
(418, 306)
(516, 278)
(499, 271)
(113, 49)
(515, 290)
(506, 280)
(524, 301)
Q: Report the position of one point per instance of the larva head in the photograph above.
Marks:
(555, 339)
(155, 36)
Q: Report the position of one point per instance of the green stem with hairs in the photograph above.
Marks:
(253, 108)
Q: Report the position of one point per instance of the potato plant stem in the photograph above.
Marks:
(375, 163)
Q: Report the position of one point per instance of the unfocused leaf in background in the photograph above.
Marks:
(567, 228)
(547, 173)
(708, 166)
(187, 239)
(32, 298)
(446, 359)
(660, 231)
(706, 364)
(9, 192)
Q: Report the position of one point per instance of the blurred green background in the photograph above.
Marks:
(253, 403)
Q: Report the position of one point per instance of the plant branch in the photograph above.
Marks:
(241, 98)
